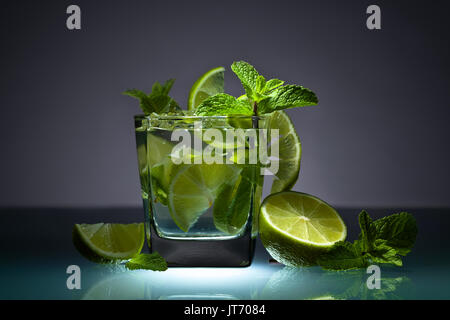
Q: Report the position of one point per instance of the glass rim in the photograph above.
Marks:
(192, 117)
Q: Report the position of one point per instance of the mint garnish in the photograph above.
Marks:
(249, 78)
(286, 97)
(261, 96)
(223, 104)
(147, 261)
(268, 96)
(381, 241)
(158, 100)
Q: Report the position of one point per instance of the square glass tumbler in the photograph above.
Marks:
(201, 183)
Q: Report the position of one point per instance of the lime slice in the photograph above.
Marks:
(290, 152)
(159, 159)
(296, 228)
(194, 189)
(102, 242)
(158, 149)
(160, 178)
(209, 84)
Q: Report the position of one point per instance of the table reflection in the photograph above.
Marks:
(254, 283)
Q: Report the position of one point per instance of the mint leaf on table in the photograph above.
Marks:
(383, 253)
(223, 104)
(368, 232)
(158, 100)
(343, 256)
(147, 261)
(381, 241)
(399, 230)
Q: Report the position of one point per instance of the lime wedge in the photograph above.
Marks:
(290, 151)
(194, 189)
(209, 84)
(102, 242)
(296, 228)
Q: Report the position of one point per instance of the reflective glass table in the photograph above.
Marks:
(36, 250)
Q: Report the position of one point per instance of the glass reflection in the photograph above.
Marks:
(257, 282)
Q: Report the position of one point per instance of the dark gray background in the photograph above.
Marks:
(379, 136)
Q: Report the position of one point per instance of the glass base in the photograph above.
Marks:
(237, 252)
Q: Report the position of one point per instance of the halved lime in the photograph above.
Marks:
(296, 228)
(102, 242)
(194, 189)
(209, 84)
(290, 152)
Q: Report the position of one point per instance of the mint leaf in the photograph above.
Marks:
(232, 205)
(223, 104)
(135, 93)
(383, 253)
(163, 89)
(248, 76)
(381, 241)
(147, 261)
(399, 230)
(343, 256)
(273, 84)
(158, 100)
(270, 96)
(289, 96)
(260, 84)
(368, 231)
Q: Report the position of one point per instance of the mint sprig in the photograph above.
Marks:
(272, 95)
(147, 261)
(382, 241)
(261, 95)
(158, 101)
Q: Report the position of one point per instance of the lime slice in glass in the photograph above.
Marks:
(158, 149)
(209, 84)
(296, 228)
(290, 151)
(194, 189)
(102, 242)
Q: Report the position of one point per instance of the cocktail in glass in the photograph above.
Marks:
(201, 182)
